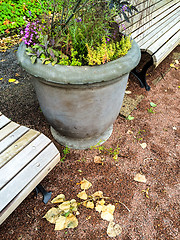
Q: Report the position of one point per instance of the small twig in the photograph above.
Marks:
(124, 206)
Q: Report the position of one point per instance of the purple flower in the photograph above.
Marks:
(21, 32)
(78, 19)
(29, 13)
(124, 8)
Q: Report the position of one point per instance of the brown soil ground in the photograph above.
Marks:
(151, 216)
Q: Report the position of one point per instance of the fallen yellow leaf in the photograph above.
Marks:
(140, 178)
(85, 184)
(146, 192)
(60, 198)
(176, 61)
(98, 194)
(107, 216)
(71, 221)
(65, 206)
(11, 80)
(143, 145)
(82, 195)
(60, 223)
(98, 159)
(52, 215)
(1, 79)
(113, 229)
(90, 205)
(98, 208)
(173, 66)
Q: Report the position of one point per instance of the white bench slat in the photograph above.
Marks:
(166, 49)
(141, 35)
(142, 18)
(23, 158)
(9, 128)
(22, 179)
(141, 6)
(156, 45)
(3, 121)
(17, 146)
(159, 33)
(10, 139)
(29, 188)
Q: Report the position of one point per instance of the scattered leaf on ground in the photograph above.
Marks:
(71, 221)
(150, 110)
(89, 204)
(85, 184)
(129, 132)
(173, 66)
(52, 215)
(98, 194)
(106, 211)
(143, 145)
(1, 79)
(176, 61)
(128, 92)
(73, 204)
(146, 192)
(11, 80)
(98, 208)
(107, 216)
(98, 159)
(113, 229)
(140, 178)
(101, 202)
(153, 104)
(82, 195)
(130, 117)
(60, 198)
(65, 206)
(60, 223)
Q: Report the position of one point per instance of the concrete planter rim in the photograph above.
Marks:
(78, 75)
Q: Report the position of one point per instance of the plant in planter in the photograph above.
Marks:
(80, 65)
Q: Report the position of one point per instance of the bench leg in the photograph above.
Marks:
(46, 195)
(141, 76)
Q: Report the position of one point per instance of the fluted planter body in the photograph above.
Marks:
(81, 103)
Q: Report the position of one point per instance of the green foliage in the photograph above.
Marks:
(130, 118)
(14, 14)
(78, 33)
(108, 151)
(106, 51)
(66, 151)
(153, 105)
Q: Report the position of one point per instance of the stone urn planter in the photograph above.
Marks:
(81, 103)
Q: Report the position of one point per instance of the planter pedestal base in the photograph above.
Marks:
(84, 143)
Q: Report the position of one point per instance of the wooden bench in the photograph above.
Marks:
(156, 30)
(26, 157)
